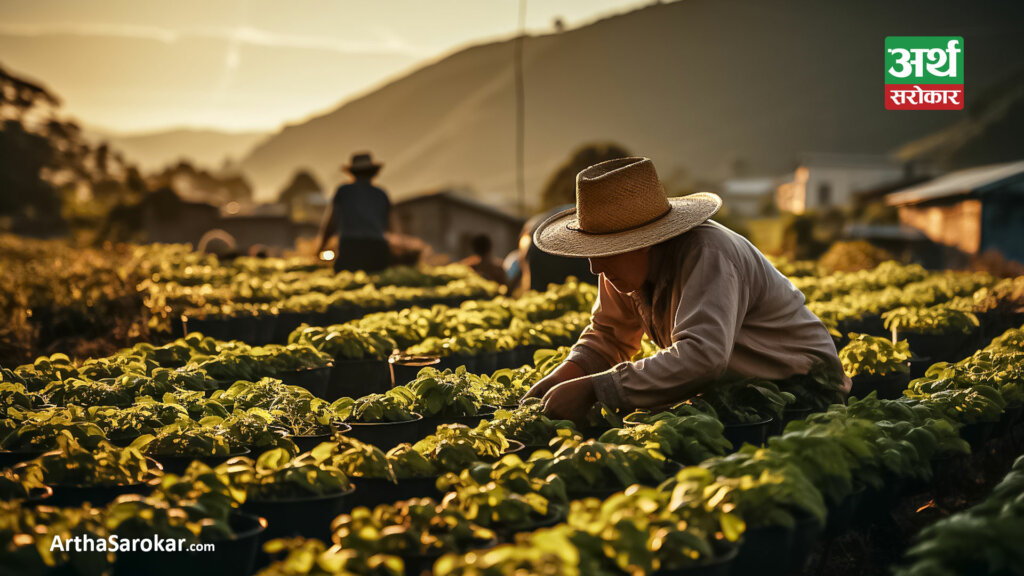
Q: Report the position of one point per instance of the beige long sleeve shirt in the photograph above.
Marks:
(716, 307)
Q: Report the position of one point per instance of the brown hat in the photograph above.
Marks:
(621, 207)
(361, 162)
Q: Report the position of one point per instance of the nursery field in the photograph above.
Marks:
(268, 417)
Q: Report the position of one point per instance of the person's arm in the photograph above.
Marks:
(710, 311)
(613, 336)
(327, 227)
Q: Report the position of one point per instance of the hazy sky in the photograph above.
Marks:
(138, 65)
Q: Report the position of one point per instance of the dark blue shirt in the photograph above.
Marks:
(361, 210)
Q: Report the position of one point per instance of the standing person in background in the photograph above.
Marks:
(360, 215)
(483, 263)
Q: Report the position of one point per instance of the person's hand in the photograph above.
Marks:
(571, 400)
(566, 371)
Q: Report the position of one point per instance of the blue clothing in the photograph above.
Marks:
(361, 210)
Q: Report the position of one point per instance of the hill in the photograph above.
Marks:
(701, 86)
(154, 150)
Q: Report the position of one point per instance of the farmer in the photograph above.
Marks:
(705, 295)
(360, 214)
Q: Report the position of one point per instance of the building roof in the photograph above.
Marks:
(961, 182)
(885, 232)
(845, 160)
(448, 196)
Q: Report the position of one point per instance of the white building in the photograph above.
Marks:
(824, 181)
(746, 197)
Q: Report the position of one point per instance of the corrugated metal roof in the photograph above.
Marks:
(956, 183)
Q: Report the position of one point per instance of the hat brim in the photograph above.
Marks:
(559, 234)
(374, 166)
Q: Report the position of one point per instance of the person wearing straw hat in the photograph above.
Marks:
(705, 295)
(360, 214)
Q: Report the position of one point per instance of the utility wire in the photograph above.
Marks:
(517, 56)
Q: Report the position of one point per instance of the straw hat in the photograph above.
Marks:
(621, 207)
(361, 162)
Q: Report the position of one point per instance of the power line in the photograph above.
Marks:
(517, 56)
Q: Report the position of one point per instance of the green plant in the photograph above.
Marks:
(984, 539)
(73, 464)
(413, 527)
(686, 439)
(528, 424)
(746, 400)
(40, 430)
(28, 532)
(933, 320)
(395, 405)
(455, 446)
(185, 438)
(768, 489)
(646, 529)
(276, 475)
(873, 355)
(589, 464)
(444, 393)
(307, 557)
(503, 495)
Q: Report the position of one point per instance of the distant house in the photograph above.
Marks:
(825, 181)
(972, 210)
(746, 197)
(304, 198)
(448, 222)
(168, 219)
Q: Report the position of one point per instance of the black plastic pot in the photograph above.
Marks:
(307, 443)
(313, 379)
(507, 359)
(454, 361)
(486, 363)
(9, 458)
(221, 327)
(1011, 416)
(977, 434)
(764, 551)
(793, 413)
(307, 516)
(938, 347)
(178, 464)
(430, 424)
(376, 491)
(842, 515)
(231, 557)
(750, 433)
(876, 503)
(888, 386)
(264, 326)
(357, 378)
(68, 495)
(387, 435)
(404, 369)
(508, 533)
(285, 324)
(720, 565)
(805, 537)
(524, 355)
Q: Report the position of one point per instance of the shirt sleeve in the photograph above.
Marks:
(709, 313)
(614, 332)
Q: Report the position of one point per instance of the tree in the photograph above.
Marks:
(561, 187)
(302, 183)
